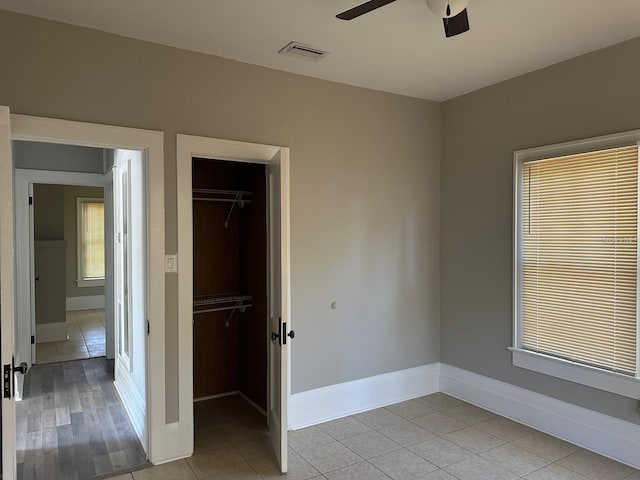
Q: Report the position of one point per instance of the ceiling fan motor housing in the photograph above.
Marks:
(447, 8)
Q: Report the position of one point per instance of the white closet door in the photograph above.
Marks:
(278, 346)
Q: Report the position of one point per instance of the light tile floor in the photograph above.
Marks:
(86, 339)
(430, 438)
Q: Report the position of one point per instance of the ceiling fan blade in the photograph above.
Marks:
(362, 9)
(456, 25)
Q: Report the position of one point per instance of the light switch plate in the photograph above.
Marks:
(171, 264)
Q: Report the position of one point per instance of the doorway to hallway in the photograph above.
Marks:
(84, 272)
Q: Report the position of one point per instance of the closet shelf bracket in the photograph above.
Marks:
(235, 197)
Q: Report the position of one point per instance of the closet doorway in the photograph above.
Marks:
(230, 281)
(234, 298)
(230, 321)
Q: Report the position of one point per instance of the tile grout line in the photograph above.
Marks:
(478, 455)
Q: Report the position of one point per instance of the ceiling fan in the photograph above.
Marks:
(453, 13)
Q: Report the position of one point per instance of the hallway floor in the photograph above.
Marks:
(71, 424)
(430, 438)
(86, 339)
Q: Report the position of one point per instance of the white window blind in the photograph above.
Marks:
(91, 239)
(579, 258)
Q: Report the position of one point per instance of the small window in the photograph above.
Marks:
(576, 263)
(90, 242)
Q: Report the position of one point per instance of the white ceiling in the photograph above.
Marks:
(399, 48)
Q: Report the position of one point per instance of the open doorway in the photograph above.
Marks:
(161, 437)
(238, 227)
(69, 272)
(82, 408)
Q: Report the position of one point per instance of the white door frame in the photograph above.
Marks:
(189, 146)
(7, 286)
(39, 129)
(25, 288)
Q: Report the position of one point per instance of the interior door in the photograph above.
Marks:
(122, 211)
(130, 301)
(7, 307)
(279, 331)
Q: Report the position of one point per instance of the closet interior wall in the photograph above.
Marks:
(230, 346)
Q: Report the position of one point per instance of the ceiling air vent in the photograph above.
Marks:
(303, 51)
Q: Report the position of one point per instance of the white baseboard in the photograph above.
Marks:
(228, 394)
(85, 303)
(178, 446)
(336, 401)
(218, 395)
(51, 332)
(253, 404)
(133, 403)
(603, 434)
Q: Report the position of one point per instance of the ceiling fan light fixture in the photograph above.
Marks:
(447, 8)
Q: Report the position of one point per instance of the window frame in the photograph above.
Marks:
(80, 280)
(591, 376)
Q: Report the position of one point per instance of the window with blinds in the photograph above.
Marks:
(579, 258)
(91, 239)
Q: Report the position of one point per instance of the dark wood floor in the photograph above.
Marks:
(71, 424)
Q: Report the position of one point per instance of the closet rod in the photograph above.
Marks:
(229, 196)
(222, 309)
(220, 191)
(230, 200)
(213, 299)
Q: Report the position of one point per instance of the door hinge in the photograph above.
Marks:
(148, 328)
(30, 200)
(33, 339)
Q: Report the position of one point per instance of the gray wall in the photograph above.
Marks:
(51, 156)
(49, 266)
(48, 226)
(48, 212)
(71, 193)
(592, 95)
(364, 172)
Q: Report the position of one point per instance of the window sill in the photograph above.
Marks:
(574, 372)
(98, 282)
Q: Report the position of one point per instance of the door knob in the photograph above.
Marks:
(8, 386)
(292, 334)
(275, 336)
(23, 368)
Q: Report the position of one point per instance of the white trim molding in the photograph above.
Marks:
(88, 302)
(603, 434)
(51, 332)
(336, 401)
(161, 443)
(133, 403)
(573, 372)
